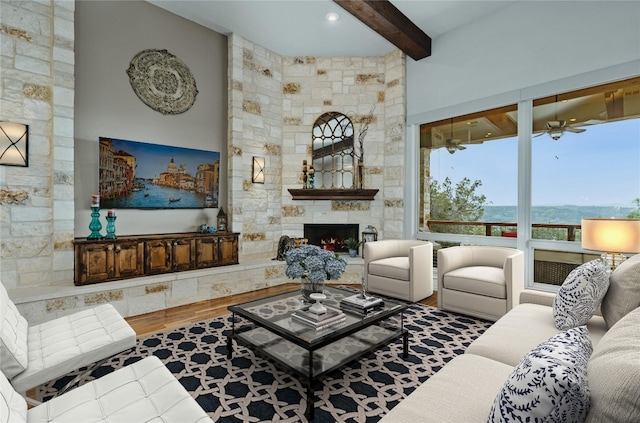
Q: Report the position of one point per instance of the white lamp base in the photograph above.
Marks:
(613, 260)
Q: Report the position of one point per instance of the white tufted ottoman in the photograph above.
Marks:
(145, 391)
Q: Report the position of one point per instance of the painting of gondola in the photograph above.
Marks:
(140, 175)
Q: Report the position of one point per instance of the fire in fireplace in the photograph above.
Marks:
(330, 236)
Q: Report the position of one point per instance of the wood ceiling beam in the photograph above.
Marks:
(384, 18)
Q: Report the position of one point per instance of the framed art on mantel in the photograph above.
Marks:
(139, 175)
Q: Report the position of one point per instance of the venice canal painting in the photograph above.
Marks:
(139, 175)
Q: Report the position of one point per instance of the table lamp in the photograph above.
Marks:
(613, 236)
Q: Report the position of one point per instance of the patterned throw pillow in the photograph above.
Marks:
(549, 384)
(580, 295)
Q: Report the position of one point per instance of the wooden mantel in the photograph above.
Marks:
(332, 194)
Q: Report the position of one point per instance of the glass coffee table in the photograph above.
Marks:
(308, 352)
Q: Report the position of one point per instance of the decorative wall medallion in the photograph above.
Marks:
(162, 81)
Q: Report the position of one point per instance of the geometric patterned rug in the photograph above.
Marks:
(248, 388)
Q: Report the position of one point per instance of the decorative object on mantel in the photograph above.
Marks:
(304, 174)
(162, 81)
(311, 176)
(222, 220)
(313, 265)
(358, 153)
(333, 194)
(95, 225)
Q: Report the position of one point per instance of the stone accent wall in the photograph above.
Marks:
(274, 102)
(255, 129)
(36, 202)
(351, 86)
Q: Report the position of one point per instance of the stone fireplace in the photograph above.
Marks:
(331, 236)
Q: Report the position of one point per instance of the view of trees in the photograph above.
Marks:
(461, 203)
(636, 213)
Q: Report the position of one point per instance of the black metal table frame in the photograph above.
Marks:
(310, 378)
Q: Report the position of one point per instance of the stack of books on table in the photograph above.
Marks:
(327, 319)
(361, 305)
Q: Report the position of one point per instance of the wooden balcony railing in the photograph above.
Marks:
(489, 226)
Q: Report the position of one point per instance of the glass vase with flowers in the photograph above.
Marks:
(313, 265)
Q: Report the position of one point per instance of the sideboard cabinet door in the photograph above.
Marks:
(207, 252)
(94, 263)
(158, 256)
(228, 249)
(129, 259)
(183, 254)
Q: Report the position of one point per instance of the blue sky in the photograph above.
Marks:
(600, 166)
(152, 159)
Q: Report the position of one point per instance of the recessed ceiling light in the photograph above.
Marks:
(332, 17)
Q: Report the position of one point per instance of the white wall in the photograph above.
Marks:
(108, 36)
(524, 45)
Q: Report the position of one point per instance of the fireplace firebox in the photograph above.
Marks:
(330, 236)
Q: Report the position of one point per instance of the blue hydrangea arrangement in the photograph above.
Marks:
(314, 263)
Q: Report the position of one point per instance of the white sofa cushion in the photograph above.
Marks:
(13, 408)
(462, 391)
(549, 384)
(510, 338)
(614, 373)
(580, 295)
(624, 291)
(13, 337)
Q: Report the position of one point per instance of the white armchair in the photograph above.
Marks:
(34, 354)
(399, 268)
(480, 281)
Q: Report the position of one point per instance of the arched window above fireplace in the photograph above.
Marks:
(332, 150)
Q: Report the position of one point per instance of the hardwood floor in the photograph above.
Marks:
(158, 321)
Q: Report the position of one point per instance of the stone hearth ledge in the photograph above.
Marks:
(146, 294)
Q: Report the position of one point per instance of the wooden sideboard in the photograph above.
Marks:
(142, 255)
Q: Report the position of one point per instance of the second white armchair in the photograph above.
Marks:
(478, 280)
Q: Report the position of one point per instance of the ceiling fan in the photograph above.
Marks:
(555, 129)
(453, 144)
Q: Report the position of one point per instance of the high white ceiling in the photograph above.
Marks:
(299, 27)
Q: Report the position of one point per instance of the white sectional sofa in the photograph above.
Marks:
(466, 388)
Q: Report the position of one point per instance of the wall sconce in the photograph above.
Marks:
(14, 144)
(613, 236)
(257, 176)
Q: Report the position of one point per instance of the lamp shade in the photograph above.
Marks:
(611, 235)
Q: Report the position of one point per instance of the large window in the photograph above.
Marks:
(583, 153)
(585, 158)
(469, 173)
